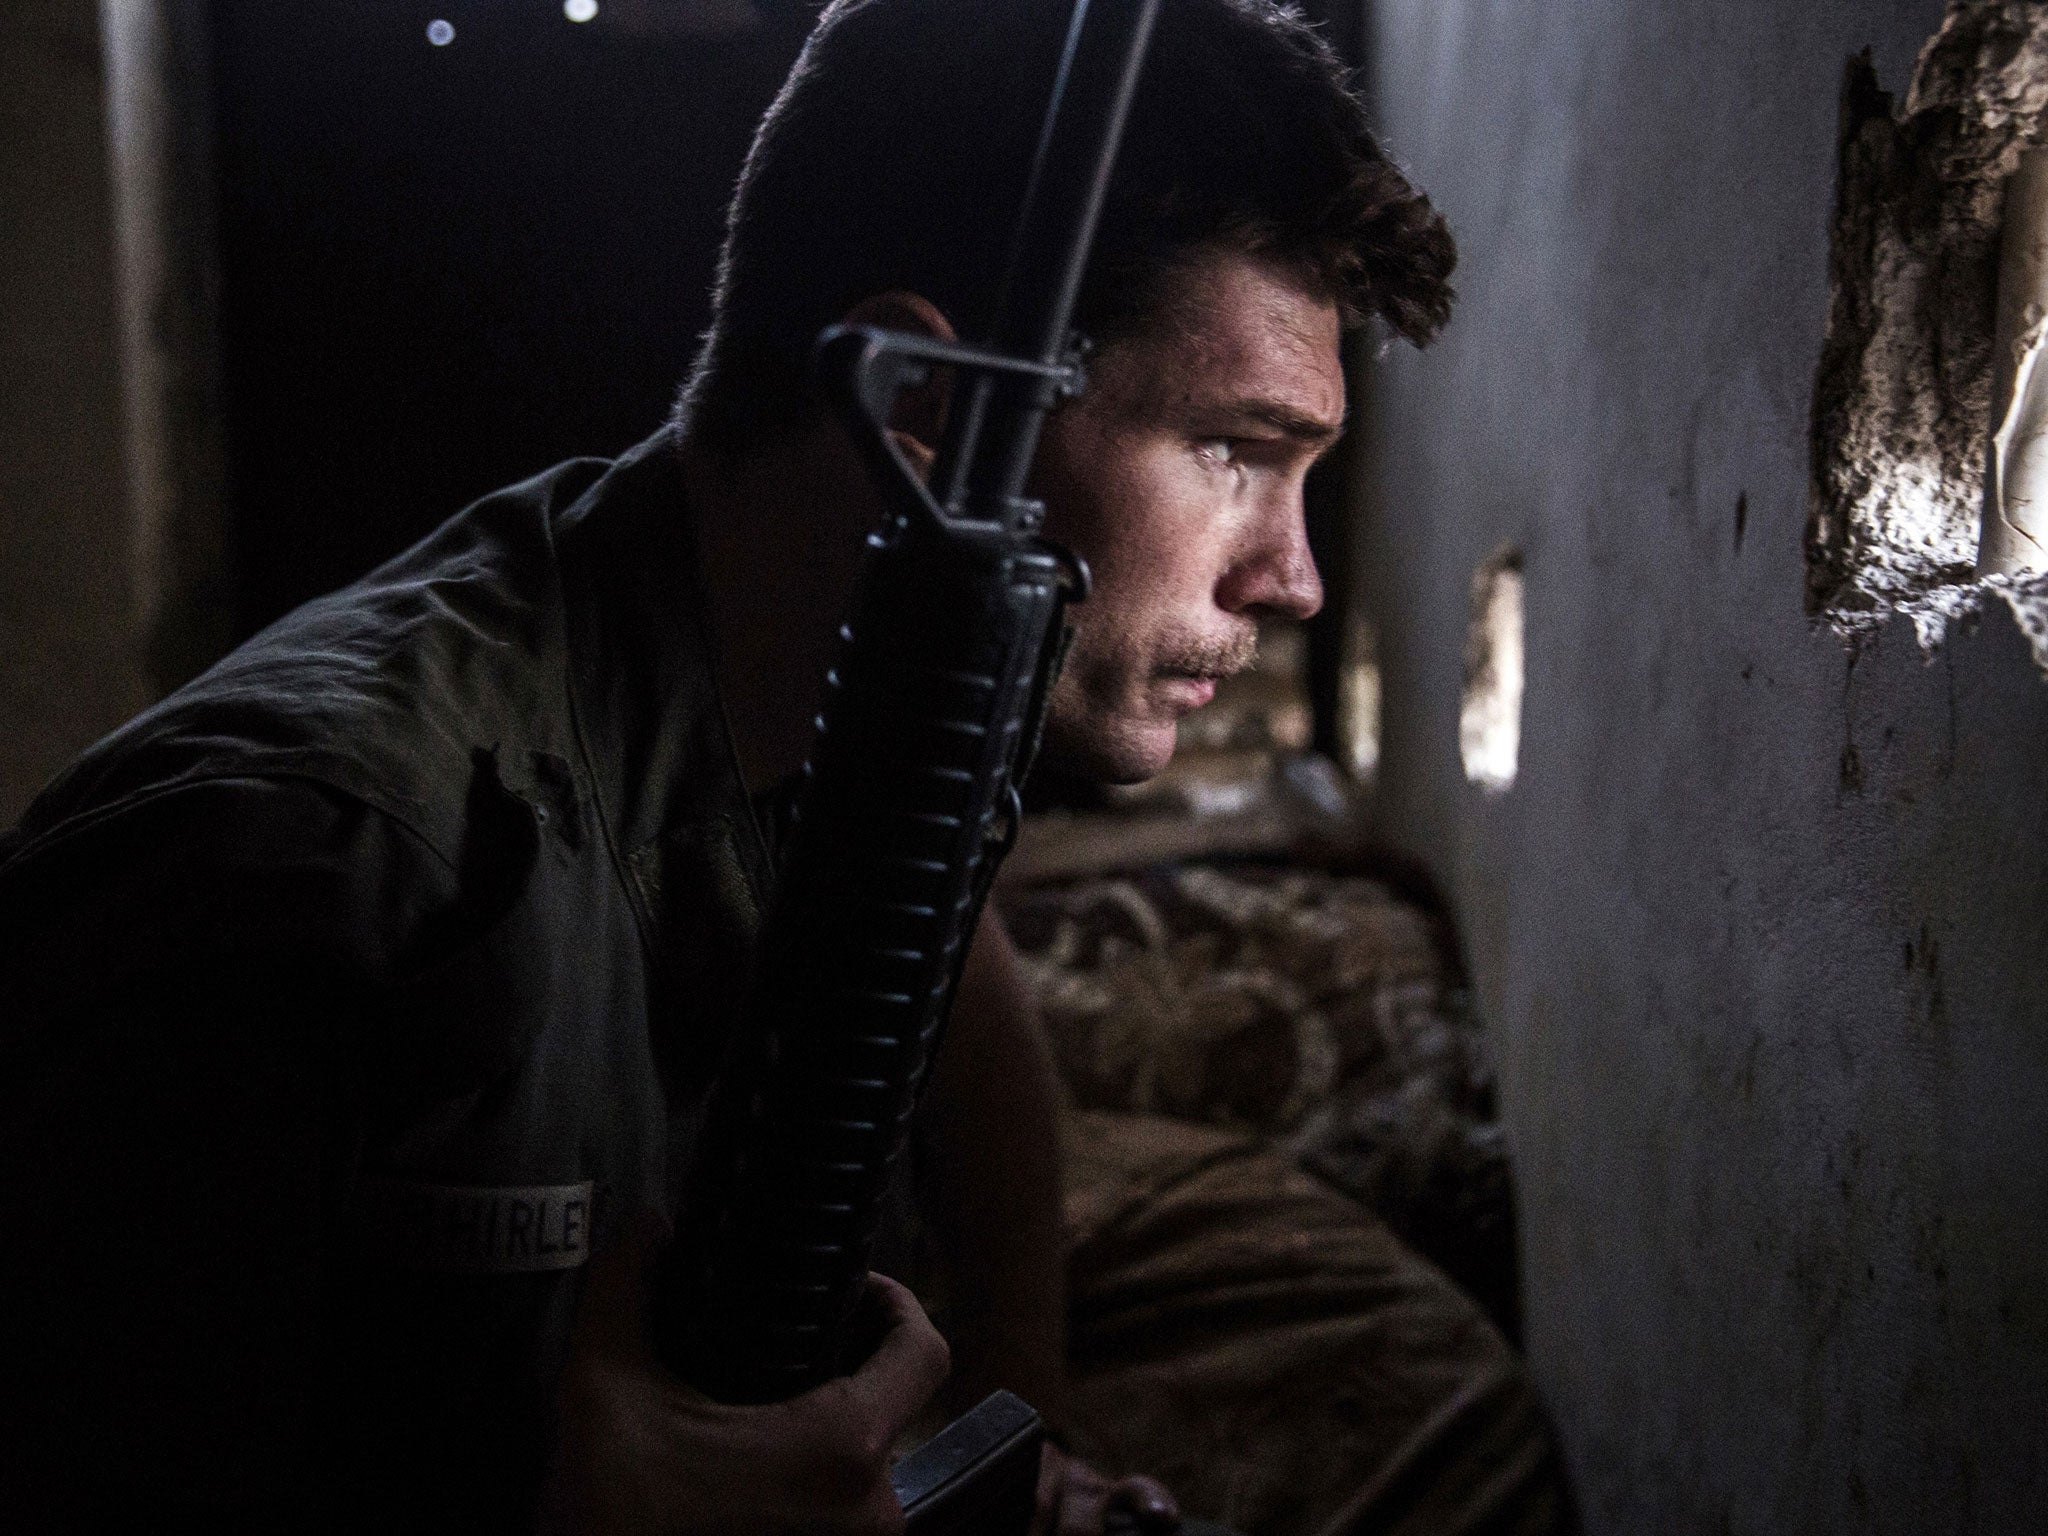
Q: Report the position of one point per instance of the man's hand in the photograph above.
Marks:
(1076, 1500)
(638, 1451)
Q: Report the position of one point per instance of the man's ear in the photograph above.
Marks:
(920, 416)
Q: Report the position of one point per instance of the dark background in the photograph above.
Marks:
(446, 268)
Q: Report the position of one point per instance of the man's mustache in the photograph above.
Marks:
(1211, 657)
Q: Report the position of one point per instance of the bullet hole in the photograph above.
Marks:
(1741, 519)
(1490, 721)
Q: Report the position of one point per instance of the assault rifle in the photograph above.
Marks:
(908, 805)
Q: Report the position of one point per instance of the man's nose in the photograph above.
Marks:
(1275, 576)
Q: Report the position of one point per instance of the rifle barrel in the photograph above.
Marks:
(987, 456)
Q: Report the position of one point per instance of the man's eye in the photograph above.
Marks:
(1219, 450)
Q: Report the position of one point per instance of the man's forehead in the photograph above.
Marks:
(1234, 328)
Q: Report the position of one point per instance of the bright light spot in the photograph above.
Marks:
(1219, 797)
(440, 33)
(1358, 701)
(1291, 725)
(579, 10)
(2014, 537)
(1490, 723)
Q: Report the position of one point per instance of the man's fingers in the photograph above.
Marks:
(1052, 1482)
(1082, 1510)
(1089, 1504)
(1148, 1501)
(909, 1363)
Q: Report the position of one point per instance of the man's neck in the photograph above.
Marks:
(780, 532)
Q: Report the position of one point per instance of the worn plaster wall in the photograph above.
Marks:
(1762, 924)
(71, 663)
(1909, 375)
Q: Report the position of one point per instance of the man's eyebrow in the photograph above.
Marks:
(1284, 420)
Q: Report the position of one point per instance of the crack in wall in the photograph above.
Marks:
(1902, 399)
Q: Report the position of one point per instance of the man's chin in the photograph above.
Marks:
(1128, 752)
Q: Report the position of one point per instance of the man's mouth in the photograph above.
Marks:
(1189, 674)
(1190, 690)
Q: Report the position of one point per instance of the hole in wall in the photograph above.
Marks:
(1923, 446)
(2014, 537)
(1490, 720)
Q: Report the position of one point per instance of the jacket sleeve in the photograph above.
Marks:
(183, 985)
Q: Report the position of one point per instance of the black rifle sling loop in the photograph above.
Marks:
(909, 795)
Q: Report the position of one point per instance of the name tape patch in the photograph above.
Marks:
(480, 1229)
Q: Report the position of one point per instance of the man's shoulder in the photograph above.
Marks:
(244, 859)
(385, 690)
(243, 908)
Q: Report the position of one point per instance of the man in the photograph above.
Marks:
(359, 1000)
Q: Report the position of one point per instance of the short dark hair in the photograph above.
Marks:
(895, 156)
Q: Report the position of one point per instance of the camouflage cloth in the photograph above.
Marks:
(1323, 1010)
(1282, 1094)
(1267, 1348)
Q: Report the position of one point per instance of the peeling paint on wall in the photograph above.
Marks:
(1902, 401)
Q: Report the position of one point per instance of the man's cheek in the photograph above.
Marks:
(1105, 681)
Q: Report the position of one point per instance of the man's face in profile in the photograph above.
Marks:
(1178, 477)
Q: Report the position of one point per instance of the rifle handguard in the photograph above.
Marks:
(907, 803)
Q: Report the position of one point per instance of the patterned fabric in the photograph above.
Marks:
(1277, 1357)
(1318, 1008)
